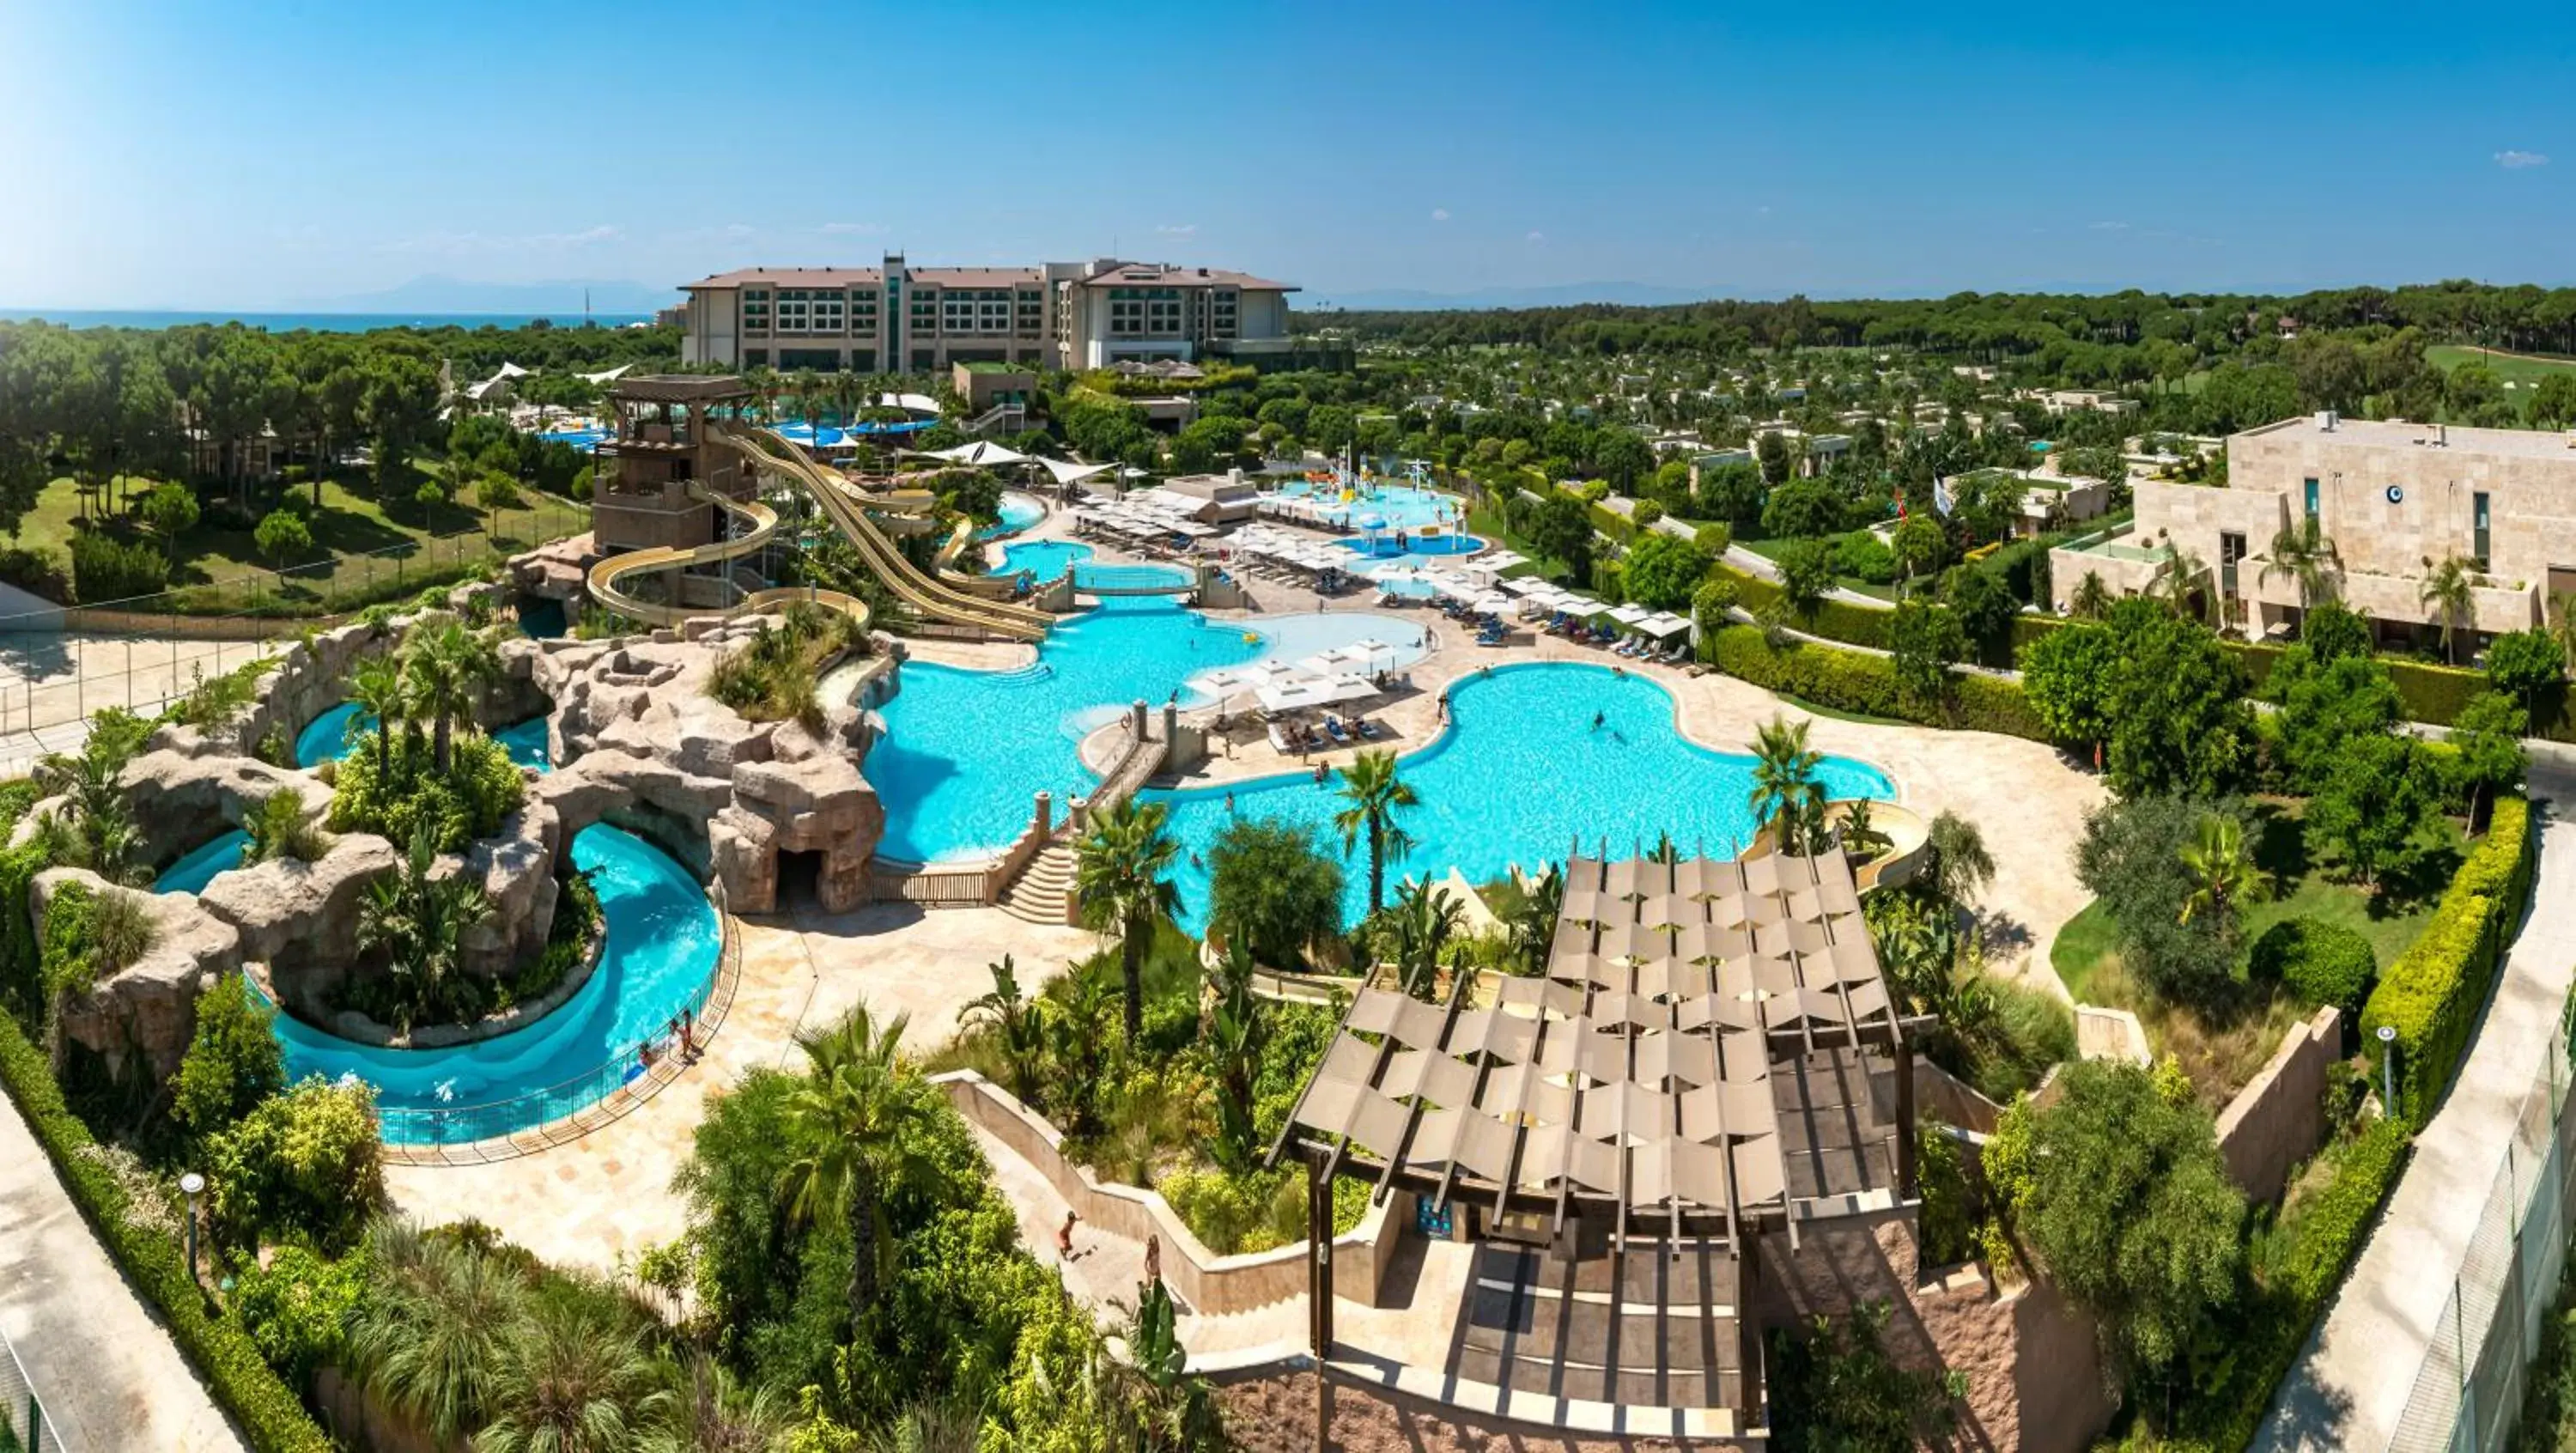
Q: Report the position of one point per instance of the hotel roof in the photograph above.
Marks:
(2452, 440)
(1153, 274)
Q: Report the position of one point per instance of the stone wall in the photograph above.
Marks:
(146, 1013)
(2278, 1120)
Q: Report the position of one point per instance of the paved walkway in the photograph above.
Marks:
(109, 1375)
(2351, 1386)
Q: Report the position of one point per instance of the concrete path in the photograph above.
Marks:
(108, 1374)
(2351, 1386)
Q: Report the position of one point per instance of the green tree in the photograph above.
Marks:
(2375, 805)
(419, 923)
(1119, 879)
(1271, 892)
(2332, 630)
(2130, 858)
(1374, 795)
(1836, 1390)
(1560, 530)
(233, 1060)
(2179, 721)
(1985, 607)
(382, 691)
(446, 666)
(2129, 1207)
(1803, 509)
(2303, 555)
(283, 537)
(302, 1165)
(2221, 872)
(1921, 547)
(495, 492)
(2526, 665)
(853, 1113)
(571, 1379)
(1956, 865)
(1018, 1026)
(1238, 1032)
(1425, 919)
(429, 1338)
(1806, 575)
(1786, 788)
(1661, 572)
(2066, 676)
(171, 510)
(1924, 642)
(2553, 401)
(2489, 757)
(2326, 706)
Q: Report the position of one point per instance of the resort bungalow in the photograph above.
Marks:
(2396, 500)
(2052, 501)
(1814, 453)
(1224, 499)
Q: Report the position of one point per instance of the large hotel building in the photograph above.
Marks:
(899, 318)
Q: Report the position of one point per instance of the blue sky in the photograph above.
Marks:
(186, 153)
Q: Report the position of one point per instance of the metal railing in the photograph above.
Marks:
(25, 1427)
(2469, 1391)
(60, 665)
(426, 1129)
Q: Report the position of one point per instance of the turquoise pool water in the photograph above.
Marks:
(965, 751)
(1396, 506)
(1089, 576)
(328, 737)
(1019, 512)
(662, 944)
(1415, 549)
(541, 617)
(196, 869)
(1042, 560)
(1518, 777)
(331, 737)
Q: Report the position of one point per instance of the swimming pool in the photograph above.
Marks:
(660, 956)
(1397, 506)
(585, 440)
(1519, 776)
(1385, 546)
(526, 743)
(1046, 560)
(198, 867)
(964, 751)
(1019, 512)
(1042, 560)
(1089, 575)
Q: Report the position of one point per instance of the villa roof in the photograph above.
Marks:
(1689, 1056)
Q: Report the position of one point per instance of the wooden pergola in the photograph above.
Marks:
(1637, 1083)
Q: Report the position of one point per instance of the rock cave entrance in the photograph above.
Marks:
(800, 880)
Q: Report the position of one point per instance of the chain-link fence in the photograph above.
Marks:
(2469, 1391)
(24, 1425)
(59, 666)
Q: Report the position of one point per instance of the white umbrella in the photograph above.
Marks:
(1630, 614)
(1494, 603)
(1529, 585)
(1499, 560)
(1330, 691)
(1662, 624)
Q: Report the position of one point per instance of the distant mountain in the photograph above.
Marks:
(1559, 295)
(433, 295)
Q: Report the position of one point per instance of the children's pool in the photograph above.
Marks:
(1394, 506)
(660, 957)
(1520, 776)
(966, 751)
(197, 868)
(1418, 549)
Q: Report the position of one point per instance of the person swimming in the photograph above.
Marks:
(1599, 717)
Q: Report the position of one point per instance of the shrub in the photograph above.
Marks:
(1711, 602)
(297, 1308)
(233, 1060)
(302, 1164)
(37, 572)
(1273, 891)
(280, 829)
(1853, 681)
(105, 568)
(481, 787)
(1863, 556)
(152, 1260)
(90, 936)
(2433, 992)
(2321, 962)
(283, 536)
(1661, 572)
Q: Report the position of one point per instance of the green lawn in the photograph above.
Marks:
(2523, 370)
(2306, 885)
(361, 546)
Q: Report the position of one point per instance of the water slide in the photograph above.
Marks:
(848, 506)
(605, 575)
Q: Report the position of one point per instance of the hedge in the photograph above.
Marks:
(264, 1407)
(1835, 620)
(2227, 1409)
(1858, 682)
(2432, 994)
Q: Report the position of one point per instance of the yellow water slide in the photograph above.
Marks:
(847, 506)
(605, 575)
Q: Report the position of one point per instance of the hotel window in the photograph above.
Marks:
(2310, 486)
(2478, 525)
(755, 310)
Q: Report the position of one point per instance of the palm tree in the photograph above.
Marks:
(430, 1339)
(1018, 1024)
(1118, 878)
(1427, 917)
(2562, 624)
(2447, 591)
(1238, 1031)
(856, 1110)
(1959, 866)
(2092, 599)
(2222, 873)
(1786, 789)
(570, 1381)
(2179, 586)
(709, 1412)
(448, 666)
(420, 923)
(96, 829)
(1375, 794)
(2304, 554)
(1531, 926)
(380, 690)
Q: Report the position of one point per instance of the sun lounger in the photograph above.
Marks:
(1333, 729)
(1366, 728)
(1279, 740)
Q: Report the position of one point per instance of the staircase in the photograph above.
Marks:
(1043, 893)
(1009, 417)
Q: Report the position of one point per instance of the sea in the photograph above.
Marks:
(311, 322)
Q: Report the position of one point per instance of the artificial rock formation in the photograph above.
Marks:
(558, 571)
(146, 1011)
(650, 751)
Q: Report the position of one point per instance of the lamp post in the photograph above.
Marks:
(193, 1186)
(2388, 1068)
